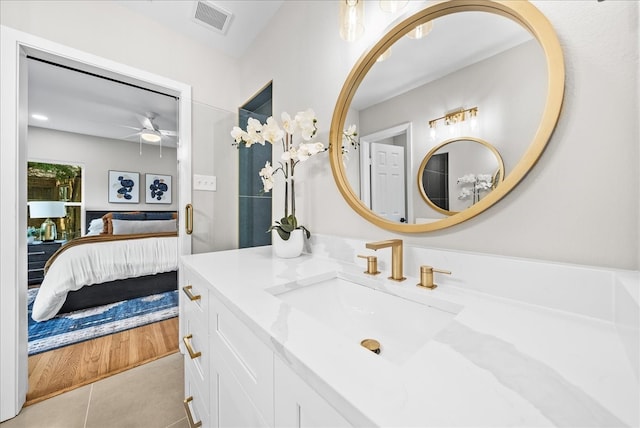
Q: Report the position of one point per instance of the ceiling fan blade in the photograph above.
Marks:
(146, 122)
(168, 133)
(129, 127)
(131, 135)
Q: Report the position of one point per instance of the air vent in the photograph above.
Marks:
(212, 16)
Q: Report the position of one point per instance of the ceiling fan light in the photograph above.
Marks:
(150, 135)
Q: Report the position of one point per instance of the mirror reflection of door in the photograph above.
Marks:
(387, 181)
(436, 180)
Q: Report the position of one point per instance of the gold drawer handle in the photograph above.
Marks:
(190, 295)
(187, 409)
(187, 343)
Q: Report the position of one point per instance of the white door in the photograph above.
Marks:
(387, 181)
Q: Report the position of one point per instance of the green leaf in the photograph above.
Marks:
(306, 232)
(283, 234)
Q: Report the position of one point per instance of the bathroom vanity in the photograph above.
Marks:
(500, 342)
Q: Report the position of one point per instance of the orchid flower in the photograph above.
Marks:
(271, 132)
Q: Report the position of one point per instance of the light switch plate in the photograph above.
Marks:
(204, 182)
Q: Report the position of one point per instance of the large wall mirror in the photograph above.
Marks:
(499, 63)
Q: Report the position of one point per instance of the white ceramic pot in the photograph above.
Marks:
(290, 248)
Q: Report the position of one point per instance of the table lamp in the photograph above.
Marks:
(48, 210)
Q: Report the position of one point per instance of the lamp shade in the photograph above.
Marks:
(47, 209)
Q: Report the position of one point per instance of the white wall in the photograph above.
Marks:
(115, 32)
(579, 204)
(565, 210)
(98, 156)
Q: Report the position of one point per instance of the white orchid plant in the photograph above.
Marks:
(475, 184)
(304, 124)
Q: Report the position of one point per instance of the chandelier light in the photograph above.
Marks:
(420, 31)
(392, 6)
(351, 19)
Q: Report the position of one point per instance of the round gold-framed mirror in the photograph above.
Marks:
(530, 21)
(456, 174)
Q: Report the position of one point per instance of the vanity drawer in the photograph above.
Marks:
(248, 359)
(197, 354)
(195, 298)
(195, 404)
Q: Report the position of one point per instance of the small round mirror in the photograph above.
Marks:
(455, 175)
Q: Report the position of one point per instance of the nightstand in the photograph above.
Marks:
(38, 254)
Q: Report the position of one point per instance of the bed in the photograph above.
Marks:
(124, 255)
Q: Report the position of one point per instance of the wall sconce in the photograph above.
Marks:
(453, 120)
(392, 6)
(351, 19)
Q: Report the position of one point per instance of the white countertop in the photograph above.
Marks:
(498, 363)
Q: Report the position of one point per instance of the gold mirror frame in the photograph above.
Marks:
(523, 13)
(497, 176)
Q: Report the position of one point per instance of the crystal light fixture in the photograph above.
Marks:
(420, 31)
(351, 19)
(392, 6)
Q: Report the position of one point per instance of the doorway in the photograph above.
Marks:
(16, 46)
(399, 136)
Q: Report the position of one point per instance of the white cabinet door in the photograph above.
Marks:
(298, 405)
(232, 406)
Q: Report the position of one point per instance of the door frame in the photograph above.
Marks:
(14, 45)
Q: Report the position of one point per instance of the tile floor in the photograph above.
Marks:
(148, 396)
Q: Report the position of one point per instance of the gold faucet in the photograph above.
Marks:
(396, 256)
(426, 276)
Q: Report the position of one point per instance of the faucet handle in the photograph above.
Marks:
(426, 276)
(372, 264)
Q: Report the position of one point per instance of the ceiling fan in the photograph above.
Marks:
(150, 132)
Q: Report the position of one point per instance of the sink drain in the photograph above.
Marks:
(372, 345)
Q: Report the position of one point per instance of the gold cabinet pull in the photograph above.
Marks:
(187, 409)
(188, 211)
(187, 343)
(190, 295)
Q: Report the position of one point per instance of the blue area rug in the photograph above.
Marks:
(78, 326)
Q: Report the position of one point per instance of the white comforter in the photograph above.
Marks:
(99, 262)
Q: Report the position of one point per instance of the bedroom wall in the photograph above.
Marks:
(579, 204)
(125, 36)
(98, 156)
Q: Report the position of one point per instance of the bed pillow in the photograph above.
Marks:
(95, 227)
(130, 216)
(168, 215)
(106, 220)
(127, 227)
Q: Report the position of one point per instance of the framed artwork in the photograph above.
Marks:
(157, 189)
(124, 187)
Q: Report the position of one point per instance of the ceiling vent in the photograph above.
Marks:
(212, 16)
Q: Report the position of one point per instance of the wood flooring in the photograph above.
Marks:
(63, 369)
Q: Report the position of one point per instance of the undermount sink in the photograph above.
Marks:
(359, 312)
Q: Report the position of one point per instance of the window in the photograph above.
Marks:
(57, 182)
